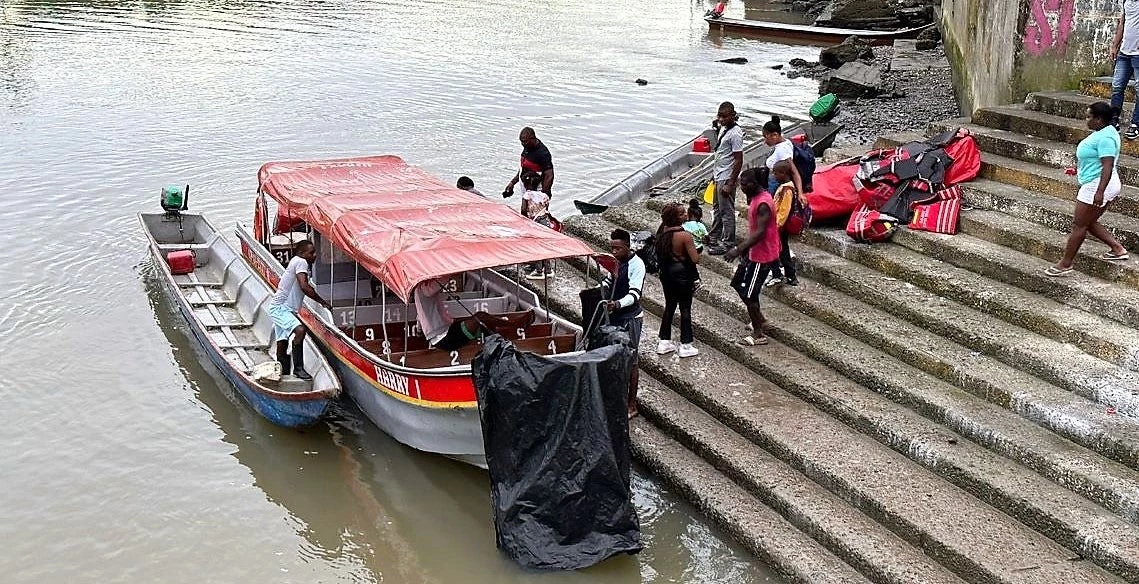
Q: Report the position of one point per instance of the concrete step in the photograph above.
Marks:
(1039, 225)
(1031, 149)
(1068, 104)
(1026, 272)
(1100, 88)
(1033, 177)
(1018, 119)
(764, 532)
(848, 533)
(1104, 339)
(989, 476)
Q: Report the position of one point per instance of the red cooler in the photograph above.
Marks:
(181, 262)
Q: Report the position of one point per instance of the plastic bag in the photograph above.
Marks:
(557, 448)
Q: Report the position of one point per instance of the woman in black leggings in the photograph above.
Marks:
(677, 258)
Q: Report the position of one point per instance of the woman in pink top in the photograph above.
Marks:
(762, 247)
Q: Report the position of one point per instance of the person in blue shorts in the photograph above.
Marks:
(291, 291)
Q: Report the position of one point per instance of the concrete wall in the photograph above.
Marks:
(1001, 50)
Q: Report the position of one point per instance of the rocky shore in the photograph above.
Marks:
(915, 90)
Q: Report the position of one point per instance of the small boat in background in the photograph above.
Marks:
(227, 308)
(806, 34)
(688, 167)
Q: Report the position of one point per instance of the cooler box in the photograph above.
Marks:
(181, 262)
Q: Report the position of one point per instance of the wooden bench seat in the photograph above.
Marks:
(396, 344)
(374, 332)
(435, 358)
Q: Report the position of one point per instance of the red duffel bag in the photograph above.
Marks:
(835, 192)
(966, 159)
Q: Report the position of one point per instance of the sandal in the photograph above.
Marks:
(751, 341)
(1113, 257)
(1055, 272)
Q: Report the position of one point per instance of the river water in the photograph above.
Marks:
(124, 457)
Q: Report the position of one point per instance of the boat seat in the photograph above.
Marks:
(397, 344)
(375, 332)
(374, 313)
(435, 358)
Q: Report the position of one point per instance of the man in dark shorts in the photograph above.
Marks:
(449, 334)
(759, 251)
(535, 157)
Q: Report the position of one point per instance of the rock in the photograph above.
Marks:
(801, 63)
(642, 82)
(777, 67)
(931, 33)
(734, 60)
(851, 49)
(925, 44)
(853, 80)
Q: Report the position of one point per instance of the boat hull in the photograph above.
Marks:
(432, 412)
(805, 34)
(291, 410)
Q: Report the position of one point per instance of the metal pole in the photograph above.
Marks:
(355, 293)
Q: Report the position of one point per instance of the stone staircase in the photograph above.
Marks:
(930, 410)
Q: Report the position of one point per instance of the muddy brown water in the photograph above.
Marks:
(125, 456)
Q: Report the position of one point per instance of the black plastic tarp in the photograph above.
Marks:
(557, 449)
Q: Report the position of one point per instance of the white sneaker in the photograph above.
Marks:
(536, 275)
(687, 350)
(665, 347)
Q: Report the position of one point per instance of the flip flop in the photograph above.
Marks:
(1111, 257)
(750, 341)
(1055, 272)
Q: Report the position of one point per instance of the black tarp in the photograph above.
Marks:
(557, 449)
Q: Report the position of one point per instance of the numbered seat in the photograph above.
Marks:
(435, 358)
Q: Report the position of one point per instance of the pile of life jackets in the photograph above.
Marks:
(914, 184)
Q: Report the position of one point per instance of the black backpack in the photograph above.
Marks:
(804, 161)
(644, 245)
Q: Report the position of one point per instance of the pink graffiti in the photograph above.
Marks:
(1049, 24)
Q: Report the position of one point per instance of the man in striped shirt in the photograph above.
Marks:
(625, 308)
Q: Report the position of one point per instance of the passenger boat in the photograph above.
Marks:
(805, 33)
(382, 227)
(227, 310)
(684, 169)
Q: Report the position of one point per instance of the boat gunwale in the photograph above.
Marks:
(813, 30)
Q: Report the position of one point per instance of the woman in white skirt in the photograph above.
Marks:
(1099, 186)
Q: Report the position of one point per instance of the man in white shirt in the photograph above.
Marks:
(445, 333)
(1125, 53)
(729, 161)
(286, 303)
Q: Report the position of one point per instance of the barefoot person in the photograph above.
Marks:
(291, 291)
(759, 251)
(1099, 186)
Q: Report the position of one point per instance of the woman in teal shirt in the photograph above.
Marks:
(1099, 186)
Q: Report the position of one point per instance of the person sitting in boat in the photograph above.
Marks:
(446, 333)
(291, 291)
(465, 183)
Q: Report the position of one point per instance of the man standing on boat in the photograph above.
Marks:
(535, 157)
(286, 303)
(625, 308)
(729, 161)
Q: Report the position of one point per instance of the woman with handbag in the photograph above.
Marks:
(677, 258)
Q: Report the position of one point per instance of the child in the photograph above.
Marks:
(536, 206)
(785, 194)
(695, 224)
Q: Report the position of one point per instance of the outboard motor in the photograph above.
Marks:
(175, 199)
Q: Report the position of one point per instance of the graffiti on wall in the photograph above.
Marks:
(1049, 24)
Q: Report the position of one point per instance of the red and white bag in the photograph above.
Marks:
(867, 225)
(939, 217)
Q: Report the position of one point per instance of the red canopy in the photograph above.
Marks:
(404, 225)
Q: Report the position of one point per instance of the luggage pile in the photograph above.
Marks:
(914, 184)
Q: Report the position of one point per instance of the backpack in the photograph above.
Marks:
(800, 216)
(644, 245)
(804, 161)
(869, 226)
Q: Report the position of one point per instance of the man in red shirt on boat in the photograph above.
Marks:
(446, 333)
(535, 157)
(286, 303)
